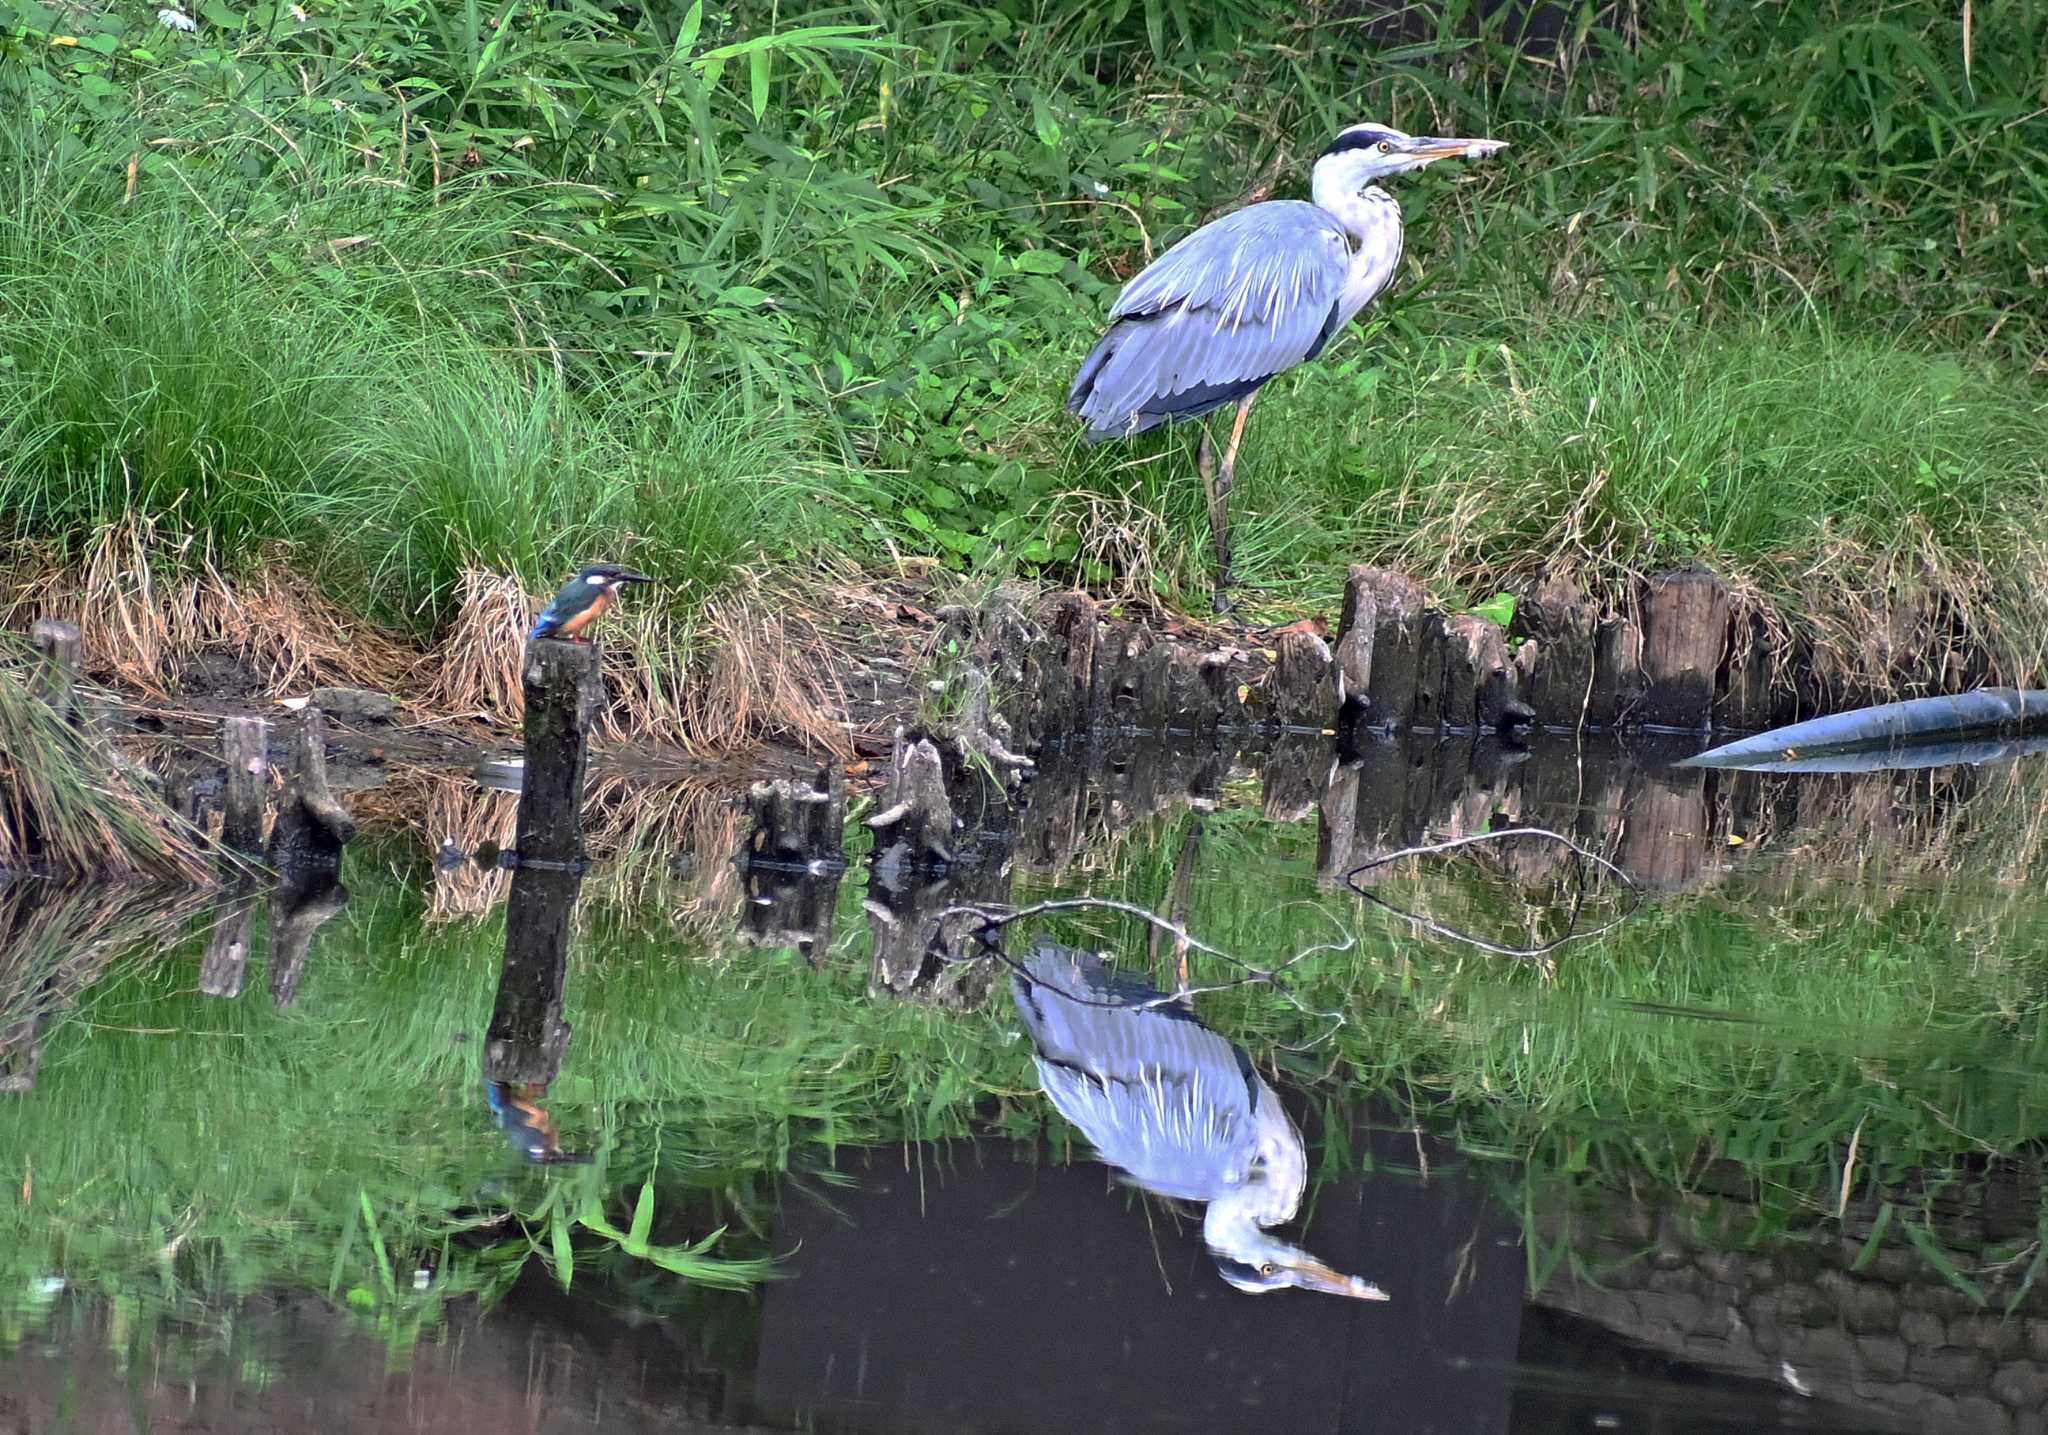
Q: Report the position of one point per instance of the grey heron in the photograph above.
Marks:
(1247, 297)
(1177, 1108)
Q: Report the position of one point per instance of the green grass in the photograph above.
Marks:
(237, 391)
(420, 289)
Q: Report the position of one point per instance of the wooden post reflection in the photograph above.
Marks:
(563, 694)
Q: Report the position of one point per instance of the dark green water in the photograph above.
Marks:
(1764, 1155)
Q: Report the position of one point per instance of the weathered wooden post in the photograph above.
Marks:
(1304, 685)
(1403, 631)
(312, 826)
(247, 767)
(564, 696)
(1558, 618)
(1618, 682)
(1685, 629)
(792, 863)
(59, 644)
(918, 820)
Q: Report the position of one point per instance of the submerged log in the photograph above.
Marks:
(312, 826)
(1685, 627)
(1563, 622)
(246, 782)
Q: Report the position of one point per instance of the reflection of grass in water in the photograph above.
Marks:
(200, 1147)
(196, 1148)
(1756, 1024)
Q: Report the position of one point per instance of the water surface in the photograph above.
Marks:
(1764, 1155)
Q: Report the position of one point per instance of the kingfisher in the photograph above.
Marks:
(582, 601)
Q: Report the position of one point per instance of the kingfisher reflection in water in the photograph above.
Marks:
(526, 1124)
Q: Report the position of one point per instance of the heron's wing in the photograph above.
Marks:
(1234, 303)
(1159, 1095)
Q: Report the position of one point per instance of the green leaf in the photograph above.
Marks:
(564, 1250)
(759, 65)
(686, 37)
(1042, 121)
(643, 1219)
(1500, 608)
(1039, 261)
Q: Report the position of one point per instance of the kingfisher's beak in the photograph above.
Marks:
(627, 575)
(1314, 1275)
(1427, 150)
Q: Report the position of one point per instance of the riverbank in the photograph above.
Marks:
(361, 372)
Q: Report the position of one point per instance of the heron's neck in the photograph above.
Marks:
(1372, 219)
(1362, 209)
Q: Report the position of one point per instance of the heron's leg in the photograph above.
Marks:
(1220, 501)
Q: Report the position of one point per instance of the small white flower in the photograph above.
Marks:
(1101, 188)
(176, 20)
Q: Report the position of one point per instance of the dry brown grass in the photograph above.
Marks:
(142, 627)
(70, 805)
(476, 663)
(773, 667)
(459, 811)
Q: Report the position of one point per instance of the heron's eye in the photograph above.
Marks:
(1386, 146)
(1269, 1269)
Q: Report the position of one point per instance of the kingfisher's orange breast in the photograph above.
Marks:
(589, 615)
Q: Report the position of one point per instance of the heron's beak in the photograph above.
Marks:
(1314, 1275)
(1429, 151)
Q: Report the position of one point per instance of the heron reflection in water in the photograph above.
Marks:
(1177, 1108)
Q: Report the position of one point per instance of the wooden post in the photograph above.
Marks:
(312, 825)
(792, 863)
(798, 824)
(917, 822)
(1685, 628)
(1744, 702)
(1397, 641)
(247, 764)
(1303, 684)
(563, 696)
(1355, 624)
(1562, 621)
(1617, 690)
(57, 684)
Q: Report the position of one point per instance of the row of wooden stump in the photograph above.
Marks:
(1396, 662)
